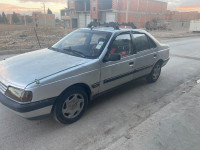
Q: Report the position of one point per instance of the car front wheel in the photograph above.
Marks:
(155, 73)
(71, 105)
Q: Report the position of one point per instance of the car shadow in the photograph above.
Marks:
(111, 95)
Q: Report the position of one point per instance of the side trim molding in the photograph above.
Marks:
(95, 85)
(126, 74)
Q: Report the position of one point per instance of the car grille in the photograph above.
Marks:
(3, 88)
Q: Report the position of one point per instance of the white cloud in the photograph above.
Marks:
(174, 4)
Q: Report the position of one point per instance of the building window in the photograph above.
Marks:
(94, 9)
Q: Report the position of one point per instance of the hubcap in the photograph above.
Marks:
(156, 72)
(73, 106)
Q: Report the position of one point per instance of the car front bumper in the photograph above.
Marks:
(32, 111)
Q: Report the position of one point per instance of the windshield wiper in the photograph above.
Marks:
(53, 48)
(74, 52)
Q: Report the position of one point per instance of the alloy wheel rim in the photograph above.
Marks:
(73, 106)
(156, 72)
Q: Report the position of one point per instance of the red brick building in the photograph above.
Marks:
(139, 11)
(81, 12)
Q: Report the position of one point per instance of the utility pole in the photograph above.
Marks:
(117, 11)
(44, 7)
(24, 19)
(127, 10)
(147, 12)
(85, 9)
(138, 6)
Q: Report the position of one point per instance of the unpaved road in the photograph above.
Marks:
(110, 116)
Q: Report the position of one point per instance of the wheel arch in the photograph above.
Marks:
(82, 85)
(159, 61)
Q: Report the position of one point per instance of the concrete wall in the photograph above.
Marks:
(195, 26)
(83, 20)
(44, 19)
(179, 25)
(110, 17)
(183, 16)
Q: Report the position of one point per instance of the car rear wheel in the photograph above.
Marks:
(71, 105)
(155, 73)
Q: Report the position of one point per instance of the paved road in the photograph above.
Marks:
(110, 116)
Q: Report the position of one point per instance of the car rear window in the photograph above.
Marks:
(141, 42)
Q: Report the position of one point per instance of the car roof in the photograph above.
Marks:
(112, 30)
(121, 30)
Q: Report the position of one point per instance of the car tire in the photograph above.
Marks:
(71, 105)
(155, 73)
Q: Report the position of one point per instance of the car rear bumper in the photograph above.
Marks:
(32, 111)
(165, 62)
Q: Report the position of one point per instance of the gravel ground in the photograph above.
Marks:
(24, 37)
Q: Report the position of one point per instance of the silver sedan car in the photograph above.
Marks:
(63, 79)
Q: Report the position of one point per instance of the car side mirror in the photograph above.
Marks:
(113, 57)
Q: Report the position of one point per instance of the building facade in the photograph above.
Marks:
(81, 12)
(77, 14)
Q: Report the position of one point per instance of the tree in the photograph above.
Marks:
(49, 11)
(1, 19)
(4, 19)
(29, 19)
(15, 18)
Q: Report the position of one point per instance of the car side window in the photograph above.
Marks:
(152, 43)
(141, 42)
(121, 45)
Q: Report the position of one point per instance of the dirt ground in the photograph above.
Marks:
(20, 37)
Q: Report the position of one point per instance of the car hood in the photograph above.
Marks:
(24, 69)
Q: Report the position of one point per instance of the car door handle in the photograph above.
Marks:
(155, 56)
(131, 64)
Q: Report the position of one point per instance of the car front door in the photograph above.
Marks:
(146, 54)
(114, 73)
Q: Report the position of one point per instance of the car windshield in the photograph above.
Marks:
(83, 43)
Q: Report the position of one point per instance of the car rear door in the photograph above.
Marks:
(114, 73)
(146, 54)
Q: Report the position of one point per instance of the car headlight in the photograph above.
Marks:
(19, 95)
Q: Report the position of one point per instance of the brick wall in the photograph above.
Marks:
(94, 9)
(71, 4)
(182, 16)
(139, 11)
